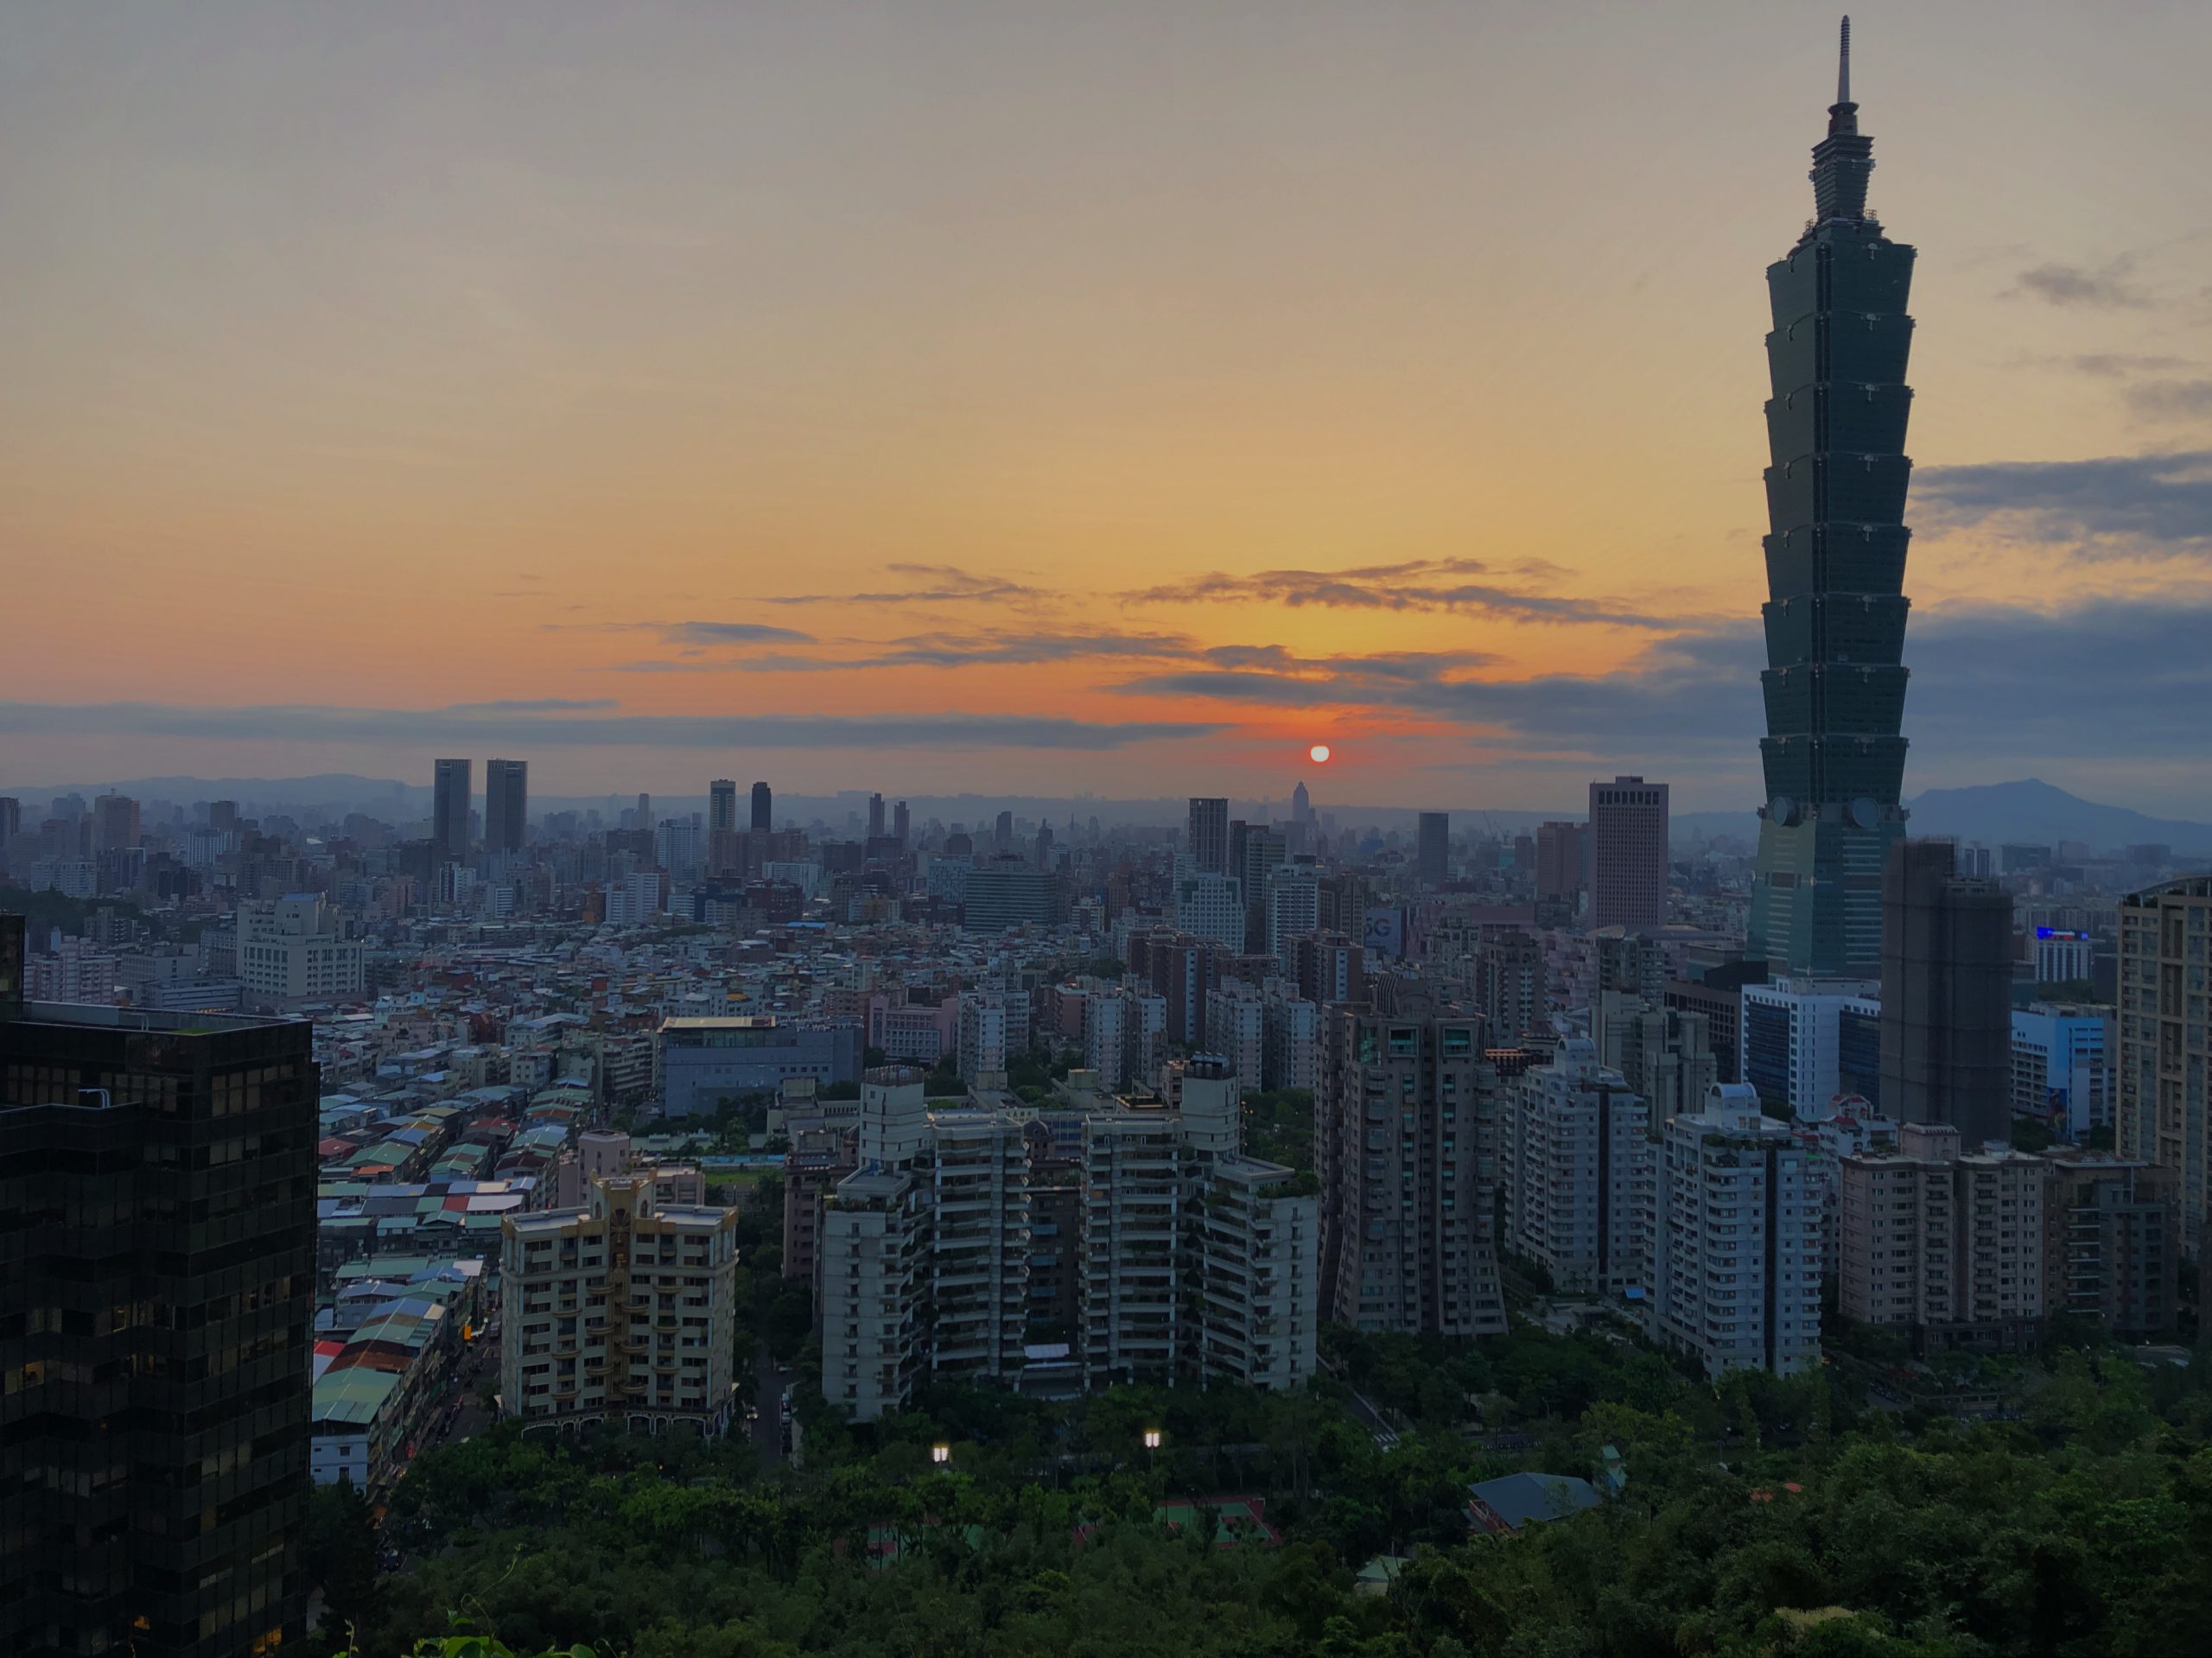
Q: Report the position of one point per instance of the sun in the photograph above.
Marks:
(1318, 753)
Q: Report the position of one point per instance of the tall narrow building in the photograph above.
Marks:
(721, 804)
(507, 804)
(1946, 995)
(1209, 834)
(764, 809)
(1836, 613)
(452, 785)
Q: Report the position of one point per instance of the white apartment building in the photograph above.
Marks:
(1236, 1028)
(982, 1046)
(1580, 1169)
(1735, 1274)
(1293, 908)
(619, 1310)
(296, 948)
(635, 900)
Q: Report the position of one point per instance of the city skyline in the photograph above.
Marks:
(1085, 438)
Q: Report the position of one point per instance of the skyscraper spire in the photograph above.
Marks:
(1843, 159)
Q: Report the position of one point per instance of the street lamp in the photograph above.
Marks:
(940, 1454)
(1152, 1439)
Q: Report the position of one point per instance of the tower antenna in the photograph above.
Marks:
(1843, 65)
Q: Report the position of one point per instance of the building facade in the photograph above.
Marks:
(1946, 995)
(2165, 1038)
(156, 1291)
(1834, 683)
(1628, 855)
(619, 1310)
(1580, 1160)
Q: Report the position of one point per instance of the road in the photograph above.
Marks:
(1372, 1420)
(769, 1382)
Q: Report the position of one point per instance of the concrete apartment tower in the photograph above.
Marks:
(452, 787)
(2166, 1039)
(507, 804)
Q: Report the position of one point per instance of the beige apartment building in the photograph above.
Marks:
(1945, 1247)
(2165, 1038)
(619, 1310)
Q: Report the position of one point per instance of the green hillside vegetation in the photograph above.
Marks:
(1760, 1518)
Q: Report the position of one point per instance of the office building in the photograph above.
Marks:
(902, 824)
(296, 949)
(1578, 1161)
(764, 809)
(1558, 861)
(1007, 892)
(450, 797)
(619, 1312)
(1207, 836)
(722, 805)
(704, 1061)
(1402, 1119)
(507, 804)
(1944, 1247)
(1736, 1268)
(1433, 850)
(875, 818)
(2165, 1038)
(1834, 683)
(156, 1289)
(2063, 955)
(1807, 1041)
(115, 823)
(1628, 855)
(2063, 1067)
(1946, 995)
(1212, 907)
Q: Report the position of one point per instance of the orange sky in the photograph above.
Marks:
(389, 360)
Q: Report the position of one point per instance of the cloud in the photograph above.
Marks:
(730, 633)
(1429, 584)
(2172, 399)
(2141, 500)
(2112, 365)
(549, 724)
(535, 705)
(2110, 288)
(940, 584)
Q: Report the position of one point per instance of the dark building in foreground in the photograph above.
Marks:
(156, 1282)
(1946, 995)
(1834, 683)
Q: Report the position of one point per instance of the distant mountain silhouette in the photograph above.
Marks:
(2039, 814)
(2030, 812)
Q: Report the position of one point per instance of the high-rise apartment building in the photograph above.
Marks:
(507, 804)
(1579, 1159)
(1508, 987)
(1190, 1261)
(619, 1310)
(2165, 1038)
(1329, 968)
(1736, 1268)
(1433, 849)
(156, 1289)
(1665, 1055)
(721, 804)
(452, 790)
(2113, 1254)
(1946, 995)
(764, 809)
(1628, 855)
(1834, 683)
(1402, 1119)
(1294, 909)
(1211, 906)
(1945, 1246)
(1208, 839)
(1007, 891)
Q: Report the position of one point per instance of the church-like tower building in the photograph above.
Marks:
(1835, 555)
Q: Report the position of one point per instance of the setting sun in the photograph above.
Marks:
(1318, 753)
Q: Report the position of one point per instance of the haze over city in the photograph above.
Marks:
(1054, 400)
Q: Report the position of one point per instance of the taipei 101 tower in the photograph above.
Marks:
(1835, 610)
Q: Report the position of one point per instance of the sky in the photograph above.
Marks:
(1043, 399)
